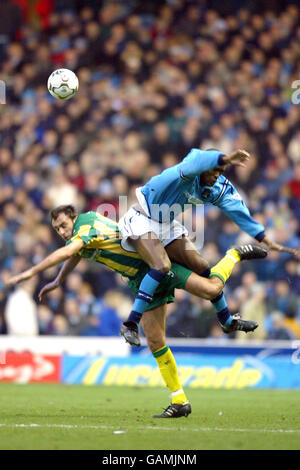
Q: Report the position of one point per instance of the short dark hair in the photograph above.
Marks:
(67, 209)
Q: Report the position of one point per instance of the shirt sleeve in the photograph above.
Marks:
(197, 161)
(86, 233)
(235, 208)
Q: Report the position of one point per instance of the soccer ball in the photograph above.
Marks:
(63, 84)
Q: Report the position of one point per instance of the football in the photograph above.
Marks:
(63, 84)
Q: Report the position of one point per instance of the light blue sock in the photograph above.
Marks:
(144, 296)
(222, 310)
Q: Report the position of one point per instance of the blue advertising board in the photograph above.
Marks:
(230, 371)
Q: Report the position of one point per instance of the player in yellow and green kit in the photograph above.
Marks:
(92, 236)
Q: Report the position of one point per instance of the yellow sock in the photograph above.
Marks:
(168, 369)
(223, 268)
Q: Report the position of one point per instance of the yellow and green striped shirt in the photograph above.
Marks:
(102, 243)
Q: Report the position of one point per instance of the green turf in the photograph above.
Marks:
(83, 417)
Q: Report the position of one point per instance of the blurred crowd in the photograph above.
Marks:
(156, 78)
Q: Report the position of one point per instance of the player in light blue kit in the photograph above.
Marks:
(150, 226)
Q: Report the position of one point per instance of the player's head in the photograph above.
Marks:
(208, 178)
(63, 219)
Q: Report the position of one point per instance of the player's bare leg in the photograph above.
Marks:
(205, 288)
(183, 251)
(199, 286)
(153, 253)
(154, 325)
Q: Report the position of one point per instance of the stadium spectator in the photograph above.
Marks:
(10, 20)
(21, 311)
(254, 308)
(277, 328)
(283, 300)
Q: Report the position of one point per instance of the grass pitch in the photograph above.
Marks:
(40, 416)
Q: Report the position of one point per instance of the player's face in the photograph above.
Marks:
(208, 178)
(63, 225)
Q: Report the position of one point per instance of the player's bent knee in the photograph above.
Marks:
(164, 267)
(215, 288)
(155, 342)
(211, 290)
(199, 264)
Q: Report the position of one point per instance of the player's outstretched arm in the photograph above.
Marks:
(55, 258)
(67, 267)
(235, 208)
(277, 247)
(199, 161)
